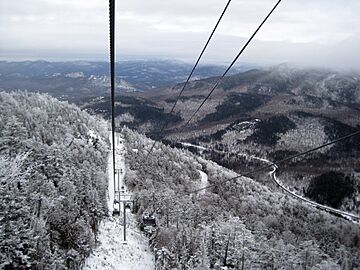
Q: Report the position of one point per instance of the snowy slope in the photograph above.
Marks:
(204, 181)
(112, 252)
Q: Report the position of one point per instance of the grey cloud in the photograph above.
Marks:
(312, 32)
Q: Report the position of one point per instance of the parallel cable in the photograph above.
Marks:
(112, 77)
(249, 173)
(231, 65)
(191, 73)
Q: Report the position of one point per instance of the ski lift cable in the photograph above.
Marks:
(191, 73)
(220, 79)
(249, 173)
(112, 78)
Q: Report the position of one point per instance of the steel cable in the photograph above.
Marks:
(191, 73)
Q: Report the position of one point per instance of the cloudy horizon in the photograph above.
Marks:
(316, 33)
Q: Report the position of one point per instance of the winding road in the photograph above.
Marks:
(312, 203)
(352, 217)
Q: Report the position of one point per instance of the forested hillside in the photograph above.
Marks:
(240, 224)
(53, 182)
(278, 137)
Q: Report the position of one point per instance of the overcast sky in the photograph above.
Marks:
(310, 32)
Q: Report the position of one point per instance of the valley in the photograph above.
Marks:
(254, 119)
(273, 113)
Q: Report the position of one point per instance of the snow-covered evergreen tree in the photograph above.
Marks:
(53, 182)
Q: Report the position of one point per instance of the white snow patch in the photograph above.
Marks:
(114, 254)
(204, 181)
(92, 137)
(75, 75)
(193, 145)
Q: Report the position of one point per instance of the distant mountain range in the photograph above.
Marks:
(73, 80)
(258, 93)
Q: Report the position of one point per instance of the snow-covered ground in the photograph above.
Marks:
(204, 181)
(112, 252)
(193, 145)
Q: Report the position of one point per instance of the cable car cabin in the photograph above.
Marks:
(116, 212)
(148, 223)
(116, 209)
(127, 206)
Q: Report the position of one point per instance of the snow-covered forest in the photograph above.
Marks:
(239, 225)
(53, 182)
(239, 146)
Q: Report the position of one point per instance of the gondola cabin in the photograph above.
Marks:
(148, 223)
(116, 208)
(128, 206)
